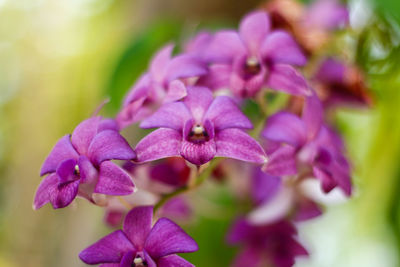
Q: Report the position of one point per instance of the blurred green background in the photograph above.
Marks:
(60, 59)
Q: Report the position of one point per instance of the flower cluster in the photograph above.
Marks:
(194, 101)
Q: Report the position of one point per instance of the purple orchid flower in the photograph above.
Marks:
(199, 128)
(341, 84)
(140, 244)
(163, 83)
(255, 57)
(81, 165)
(266, 244)
(309, 142)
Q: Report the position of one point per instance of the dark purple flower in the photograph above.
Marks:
(264, 245)
(140, 244)
(81, 165)
(340, 84)
(199, 128)
(309, 142)
(255, 57)
(162, 83)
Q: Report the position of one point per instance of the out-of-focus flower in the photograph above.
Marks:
(81, 165)
(338, 83)
(163, 83)
(264, 245)
(253, 58)
(306, 142)
(140, 244)
(279, 198)
(311, 26)
(197, 46)
(199, 128)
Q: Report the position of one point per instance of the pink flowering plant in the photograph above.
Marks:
(195, 105)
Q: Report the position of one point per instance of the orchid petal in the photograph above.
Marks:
(137, 225)
(185, 66)
(285, 78)
(62, 195)
(236, 144)
(312, 116)
(84, 134)
(249, 257)
(198, 100)
(66, 171)
(282, 162)
(109, 145)
(159, 144)
(42, 196)
(253, 29)
(110, 249)
(176, 91)
(198, 153)
(113, 180)
(63, 150)
(280, 47)
(217, 77)
(160, 62)
(170, 115)
(173, 261)
(224, 47)
(286, 128)
(88, 172)
(264, 186)
(224, 113)
(167, 238)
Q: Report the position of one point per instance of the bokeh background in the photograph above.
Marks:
(60, 58)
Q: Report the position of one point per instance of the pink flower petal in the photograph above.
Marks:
(253, 29)
(137, 225)
(113, 180)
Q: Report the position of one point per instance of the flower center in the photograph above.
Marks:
(138, 262)
(76, 170)
(198, 134)
(252, 65)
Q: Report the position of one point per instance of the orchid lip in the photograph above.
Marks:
(138, 261)
(253, 65)
(198, 134)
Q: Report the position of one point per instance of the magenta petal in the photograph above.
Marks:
(185, 66)
(127, 259)
(137, 225)
(170, 115)
(198, 100)
(42, 196)
(282, 162)
(66, 171)
(159, 144)
(167, 238)
(280, 47)
(109, 145)
(224, 113)
(84, 134)
(217, 78)
(108, 124)
(285, 78)
(198, 153)
(109, 265)
(160, 62)
(264, 186)
(286, 128)
(224, 47)
(312, 116)
(236, 144)
(88, 172)
(253, 29)
(150, 262)
(249, 257)
(63, 150)
(113, 180)
(306, 210)
(62, 195)
(327, 181)
(173, 261)
(176, 91)
(109, 249)
(327, 14)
